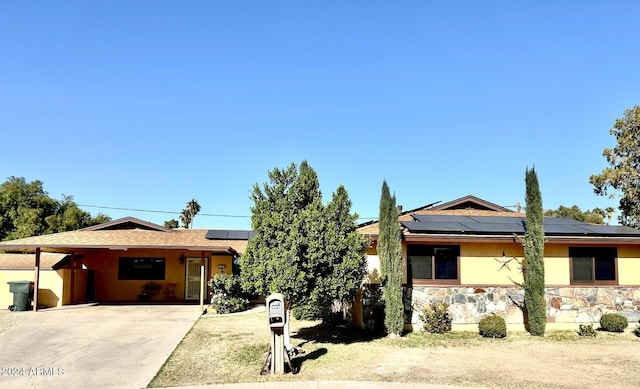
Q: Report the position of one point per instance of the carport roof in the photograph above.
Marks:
(133, 235)
(26, 261)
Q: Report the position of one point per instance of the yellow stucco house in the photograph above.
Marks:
(111, 262)
(465, 252)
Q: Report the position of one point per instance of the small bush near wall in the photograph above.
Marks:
(436, 318)
(226, 294)
(613, 322)
(587, 330)
(492, 327)
(307, 312)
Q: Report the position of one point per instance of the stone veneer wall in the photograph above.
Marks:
(564, 304)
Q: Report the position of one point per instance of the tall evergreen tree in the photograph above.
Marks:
(390, 255)
(310, 253)
(533, 269)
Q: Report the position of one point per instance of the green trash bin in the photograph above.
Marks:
(22, 295)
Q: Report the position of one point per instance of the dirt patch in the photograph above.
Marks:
(229, 349)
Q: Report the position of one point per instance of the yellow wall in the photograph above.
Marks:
(108, 287)
(50, 292)
(217, 260)
(480, 264)
(79, 286)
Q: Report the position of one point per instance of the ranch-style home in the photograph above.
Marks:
(112, 262)
(466, 252)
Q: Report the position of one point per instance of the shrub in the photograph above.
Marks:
(586, 330)
(225, 304)
(492, 327)
(613, 322)
(226, 294)
(307, 312)
(436, 318)
(637, 329)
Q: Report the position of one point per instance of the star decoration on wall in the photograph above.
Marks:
(504, 262)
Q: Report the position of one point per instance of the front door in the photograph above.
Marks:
(192, 281)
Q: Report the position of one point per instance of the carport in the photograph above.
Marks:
(111, 262)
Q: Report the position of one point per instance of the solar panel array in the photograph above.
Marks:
(229, 234)
(499, 225)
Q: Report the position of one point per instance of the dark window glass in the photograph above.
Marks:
(583, 269)
(593, 263)
(433, 262)
(141, 268)
(446, 262)
(605, 269)
(421, 267)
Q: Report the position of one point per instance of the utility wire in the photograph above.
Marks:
(178, 213)
(156, 211)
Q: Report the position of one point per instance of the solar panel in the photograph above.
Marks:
(509, 225)
(573, 229)
(436, 227)
(217, 234)
(229, 234)
(440, 218)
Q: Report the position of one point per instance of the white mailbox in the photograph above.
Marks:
(277, 310)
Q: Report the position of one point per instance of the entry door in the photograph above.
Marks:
(192, 282)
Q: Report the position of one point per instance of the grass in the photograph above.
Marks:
(231, 348)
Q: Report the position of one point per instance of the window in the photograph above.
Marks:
(593, 264)
(141, 268)
(435, 263)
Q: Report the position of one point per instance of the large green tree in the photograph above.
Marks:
(27, 210)
(594, 216)
(390, 255)
(533, 269)
(309, 252)
(623, 173)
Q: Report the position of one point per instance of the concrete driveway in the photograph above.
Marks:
(92, 346)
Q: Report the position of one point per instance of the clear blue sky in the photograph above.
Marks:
(148, 104)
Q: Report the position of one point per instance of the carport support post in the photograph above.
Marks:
(202, 290)
(36, 280)
(72, 284)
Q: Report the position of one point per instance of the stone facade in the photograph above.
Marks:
(564, 304)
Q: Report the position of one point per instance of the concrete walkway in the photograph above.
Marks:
(92, 346)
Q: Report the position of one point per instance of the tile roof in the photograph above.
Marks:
(27, 261)
(129, 238)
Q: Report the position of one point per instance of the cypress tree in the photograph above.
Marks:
(390, 254)
(533, 269)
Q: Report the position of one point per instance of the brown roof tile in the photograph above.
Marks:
(131, 238)
(27, 261)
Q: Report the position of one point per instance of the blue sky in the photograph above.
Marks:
(148, 104)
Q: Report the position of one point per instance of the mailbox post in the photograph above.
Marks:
(278, 324)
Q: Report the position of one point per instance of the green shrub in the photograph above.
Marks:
(226, 294)
(492, 327)
(613, 322)
(307, 312)
(436, 318)
(586, 330)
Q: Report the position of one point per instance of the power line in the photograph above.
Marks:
(178, 213)
(156, 211)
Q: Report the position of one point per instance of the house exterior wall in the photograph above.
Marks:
(485, 286)
(79, 286)
(107, 286)
(50, 292)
